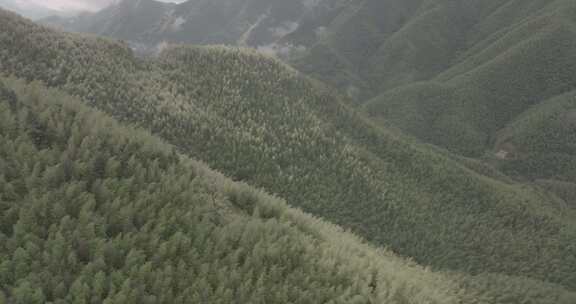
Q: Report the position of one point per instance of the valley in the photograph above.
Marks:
(420, 151)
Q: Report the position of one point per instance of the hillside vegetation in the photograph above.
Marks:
(92, 212)
(260, 122)
(456, 74)
(462, 83)
(392, 43)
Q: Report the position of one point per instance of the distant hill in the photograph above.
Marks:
(261, 122)
(457, 74)
(148, 24)
(498, 94)
(31, 10)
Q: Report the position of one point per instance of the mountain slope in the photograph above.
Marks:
(457, 74)
(149, 23)
(499, 79)
(540, 145)
(392, 43)
(92, 212)
(481, 63)
(259, 121)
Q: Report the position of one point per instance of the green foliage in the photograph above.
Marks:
(512, 61)
(492, 60)
(106, 214)
(504, 289)
(543, 139)
(260, 122)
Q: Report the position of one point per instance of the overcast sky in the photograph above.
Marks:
(73, 5)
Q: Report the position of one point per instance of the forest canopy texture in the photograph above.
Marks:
(106, 195)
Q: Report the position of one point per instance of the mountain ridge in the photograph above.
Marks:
(489, 88)
(98, 212)
(255, 118)
(253, 23)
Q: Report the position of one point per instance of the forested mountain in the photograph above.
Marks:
(149, 24)
(490, 79)
(261, 122)
(508, 90)
(464, 75)
(93, 212)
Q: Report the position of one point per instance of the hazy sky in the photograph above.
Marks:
(73, 5)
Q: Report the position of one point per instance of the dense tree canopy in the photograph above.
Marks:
(91, 212)
(261, 122)
(461, 76)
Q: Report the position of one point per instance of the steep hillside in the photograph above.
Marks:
(92, 212)
(541, 145)
(261, 122)
(391, 43)
(451, 73)
(457, 74)
(504, 75)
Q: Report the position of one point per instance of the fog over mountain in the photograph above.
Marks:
(36, 9)
(149, 24)
(27, 9)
